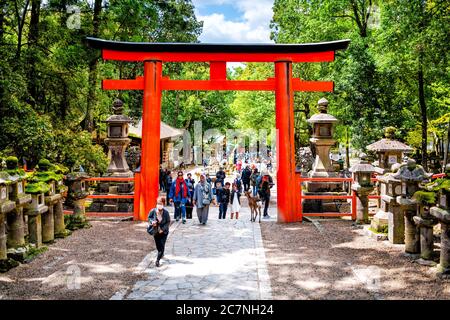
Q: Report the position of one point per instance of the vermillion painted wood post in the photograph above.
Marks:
(151, 117)
(284, 106)
(153, 55)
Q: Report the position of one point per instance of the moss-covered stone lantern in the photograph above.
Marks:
(362, 185)
(15, 219)
(76, 197)
(39, 187)
(411, 175)
(6, 206)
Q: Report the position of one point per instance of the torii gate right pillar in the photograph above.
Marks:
(286, 183)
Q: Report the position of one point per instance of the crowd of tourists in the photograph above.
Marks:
(185, 194)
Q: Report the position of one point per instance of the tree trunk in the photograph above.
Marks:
(2, 31)
(347, 148)
(20, 25)
(423, 111)
(446, 146)
(33, 38)
(91, 101)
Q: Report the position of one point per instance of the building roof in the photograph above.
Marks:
(166, 130)
(389, 145)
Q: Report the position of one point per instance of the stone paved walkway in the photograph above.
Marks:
(222, 260)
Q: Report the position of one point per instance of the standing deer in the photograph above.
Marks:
(255, 206)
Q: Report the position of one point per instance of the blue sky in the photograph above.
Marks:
(244, 21)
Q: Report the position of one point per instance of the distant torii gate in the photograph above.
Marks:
(153, 83)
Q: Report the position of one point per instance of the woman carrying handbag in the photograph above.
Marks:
(158, 226)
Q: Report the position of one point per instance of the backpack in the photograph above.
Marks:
(266, 179)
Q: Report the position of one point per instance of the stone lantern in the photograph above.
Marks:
(362, 185)
(322, 139)
(442, 213)
(389, 151)
(411, 175)
(117, 141)
(15, 219)
(35, 209)
(76, 197)
(6, 206)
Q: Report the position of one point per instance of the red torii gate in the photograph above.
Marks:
(153, 55)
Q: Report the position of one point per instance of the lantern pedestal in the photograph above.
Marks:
(443, 216)
(362, 203)
(34, 210)
(425, 222)
(15, 222)
(48, 218)
(412, 232)
(6, 206)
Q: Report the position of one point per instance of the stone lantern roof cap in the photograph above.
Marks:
(363, 165)
(322, 118)
(386, 144)
(118, 118)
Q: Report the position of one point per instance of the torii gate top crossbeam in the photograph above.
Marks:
(207, 52)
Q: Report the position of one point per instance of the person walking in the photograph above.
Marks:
(235, 201)
(254, 181)
(162, 184)
(168, 184)
(159, 221)
(189, 205)
(220, 175)
(179, 196)
(202, 198)
(265, 184)
(246, 173)
(224, 199)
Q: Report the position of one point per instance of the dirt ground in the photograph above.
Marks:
(340, 262)
(106, 256)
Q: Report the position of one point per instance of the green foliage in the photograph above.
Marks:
(376, 78)
(45, 84)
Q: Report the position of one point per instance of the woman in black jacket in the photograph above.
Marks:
(159, 221)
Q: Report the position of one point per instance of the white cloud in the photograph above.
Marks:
(251, 25)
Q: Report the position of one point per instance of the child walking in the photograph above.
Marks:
(224, 199)
(235, 201)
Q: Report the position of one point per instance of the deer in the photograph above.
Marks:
(255, 206)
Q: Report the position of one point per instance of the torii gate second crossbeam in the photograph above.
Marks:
(153, 55)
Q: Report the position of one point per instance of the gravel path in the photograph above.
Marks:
(106, 256)
(335, 261)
